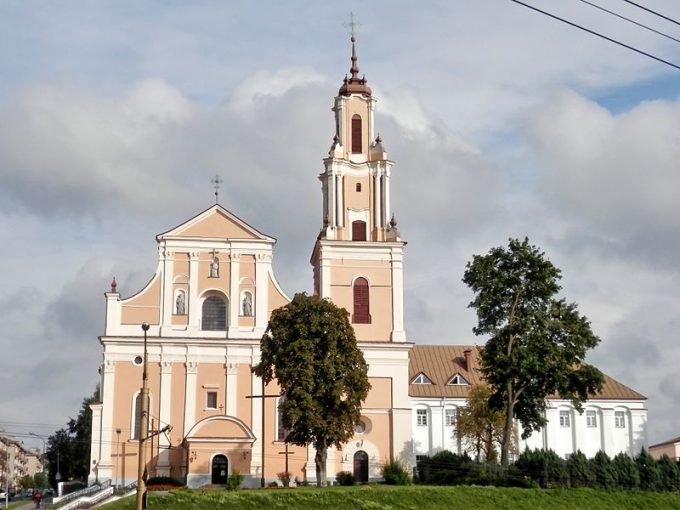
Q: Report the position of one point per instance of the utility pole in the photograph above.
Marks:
(143, 430)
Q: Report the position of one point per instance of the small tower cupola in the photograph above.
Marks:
(354, 84)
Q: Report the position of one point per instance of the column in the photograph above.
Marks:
(325, 287)
(398, 334)
(256, 426)
(580, 430)
(262, 265)
(234, 296)
(388, 213)
(332, 205)
(95, 446)
(376, 200)
(340, 201)
(231, 394)
(168, 301)
(190, 392)
(163, 464)
(192, 298)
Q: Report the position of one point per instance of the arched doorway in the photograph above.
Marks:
(361, 466)
(219, 470)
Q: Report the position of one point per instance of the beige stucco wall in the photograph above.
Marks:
(144, 306)
(380, 395)
(211, 375)
(671, 450)
(216, 225)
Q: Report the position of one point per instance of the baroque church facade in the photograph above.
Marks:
(208, 304)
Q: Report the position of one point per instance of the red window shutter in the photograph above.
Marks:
(358, 230)
(356, 135)
(361, 302)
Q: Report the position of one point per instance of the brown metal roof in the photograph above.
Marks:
(441, 362)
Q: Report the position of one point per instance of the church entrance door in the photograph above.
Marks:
(219, 470)
(361, 466)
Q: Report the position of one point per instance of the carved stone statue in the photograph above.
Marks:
(248, 304)
(214, 268)
(179, 304)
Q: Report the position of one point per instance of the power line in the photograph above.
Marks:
(631, 21)
(651, 11)
(597, 34)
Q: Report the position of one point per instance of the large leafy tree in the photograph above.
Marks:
(537, 343)
(310, 348)
(68, 449)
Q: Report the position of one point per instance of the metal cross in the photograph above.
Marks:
(352, 24)
(216, 181)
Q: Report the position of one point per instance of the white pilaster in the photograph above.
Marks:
(112, 313)
(333, 198)
(256, 412)
(262, 266)
(341, 201)
(376, 200)
(325, 278)
(388, 212)
(606, 426)
(95, 446)
(108, 394)
(232, 381)
(398, 334)
(192, 301)
(190, 392)
(234, 297)
(168, 302)
(163, 465)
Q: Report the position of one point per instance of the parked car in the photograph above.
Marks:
(2, 493)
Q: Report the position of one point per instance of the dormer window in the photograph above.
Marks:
(457, 380)
(356, 135)
(421, 379)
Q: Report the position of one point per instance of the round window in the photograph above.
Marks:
(138, 360)
(360, 428)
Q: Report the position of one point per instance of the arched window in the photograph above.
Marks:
(361, 302)
(137, 416)
(358, 187)
(214, 316)
(358, 230)
(356, 135)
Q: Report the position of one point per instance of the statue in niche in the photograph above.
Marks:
(247, 305)
(179, 304)
(214, 268)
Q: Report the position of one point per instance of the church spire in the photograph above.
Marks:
(354, 84)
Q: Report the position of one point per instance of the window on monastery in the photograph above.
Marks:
(281, 431)
(214, 317)
(565, 419)
(457, 380)
(358, 230)
(421, 379)
(356, 135)
(137, 418)
(358, 187)
(619, 419)
(591, 419)
(450, 417)
(361, 313)
(211, 400)
(421, 417)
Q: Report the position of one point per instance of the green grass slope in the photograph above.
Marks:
(381, 497)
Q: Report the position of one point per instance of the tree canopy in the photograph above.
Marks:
(537, 343)
(310, 348)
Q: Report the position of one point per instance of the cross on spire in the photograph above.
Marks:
(216, 181)
(352, 24)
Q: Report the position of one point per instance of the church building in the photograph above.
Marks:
(208, 304)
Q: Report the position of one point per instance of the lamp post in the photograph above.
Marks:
(44, 447)
(118, 431)
(143, 430)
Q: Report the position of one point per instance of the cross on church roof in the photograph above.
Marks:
(351, 24)
(216, 181)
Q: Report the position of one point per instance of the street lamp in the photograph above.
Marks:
(143, 430)
(44, 448)
(118, 431)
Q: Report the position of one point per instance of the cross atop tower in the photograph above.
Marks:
(352, 24)
(216, 181)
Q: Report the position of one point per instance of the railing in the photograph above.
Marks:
(60, 502)
(85, 502)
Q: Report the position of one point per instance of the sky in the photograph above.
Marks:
(502, 122)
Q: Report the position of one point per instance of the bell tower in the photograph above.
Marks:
(358, 256)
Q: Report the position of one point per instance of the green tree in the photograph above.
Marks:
(670, 474)
(537, 342)
(580, 470)
(603, 470)
(70, 447)
(479, 427)
(310, 348)
(626, 472)
(40, 480)
(26, 482)
(650, 474)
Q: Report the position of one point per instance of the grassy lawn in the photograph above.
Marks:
(419, 497)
